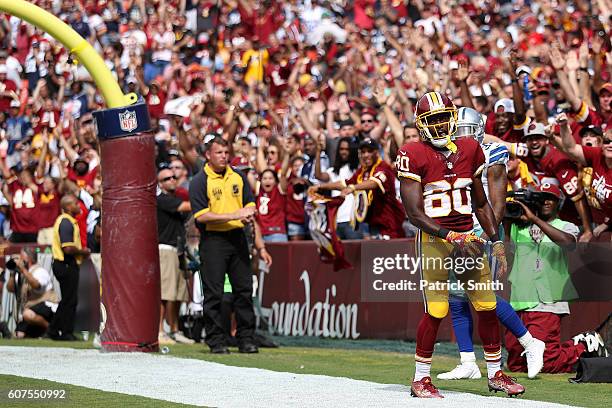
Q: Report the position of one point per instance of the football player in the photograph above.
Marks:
(495, 182)
(441, 186)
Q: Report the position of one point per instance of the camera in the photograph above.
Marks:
(11, 265)
(532, 199)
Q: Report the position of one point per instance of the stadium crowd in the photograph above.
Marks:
(295, 87)
(306, 92)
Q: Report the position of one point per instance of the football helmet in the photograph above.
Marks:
(436, 119)
(470, 123)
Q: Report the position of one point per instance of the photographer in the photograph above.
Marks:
(541, 284)
(33, 286)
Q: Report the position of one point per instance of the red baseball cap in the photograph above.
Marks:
(606, 87)
(550, 189)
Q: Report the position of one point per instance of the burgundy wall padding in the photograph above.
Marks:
(386, 320)
(130, 257)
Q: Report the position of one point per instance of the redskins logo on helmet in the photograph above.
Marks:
(436, 119)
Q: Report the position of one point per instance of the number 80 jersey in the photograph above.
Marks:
(446, 179)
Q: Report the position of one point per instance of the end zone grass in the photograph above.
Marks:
(372, 365)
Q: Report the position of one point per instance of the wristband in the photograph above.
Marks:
(442, 232)
(352, 187)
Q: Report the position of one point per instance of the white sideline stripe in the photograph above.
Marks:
(198, 382)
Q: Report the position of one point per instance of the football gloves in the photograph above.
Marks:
(498, 252)
(466, 241)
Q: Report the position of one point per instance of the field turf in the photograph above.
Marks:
(362, 360)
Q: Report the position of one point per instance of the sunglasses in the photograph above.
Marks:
(271, 152)
(607, 141)
(368, 120)
(168, 179)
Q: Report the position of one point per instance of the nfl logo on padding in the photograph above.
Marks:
(128, 121)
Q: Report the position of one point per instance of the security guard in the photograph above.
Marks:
(67, 255)
(222, 204)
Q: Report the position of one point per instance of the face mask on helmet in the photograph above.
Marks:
(438, 127)
(470, 130)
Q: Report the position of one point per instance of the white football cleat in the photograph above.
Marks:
(535, 357)
(463, 371)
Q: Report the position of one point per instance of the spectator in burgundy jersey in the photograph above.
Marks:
(48, 210)
(80, 173)
(294, 209)
(270, 205)
(552, 166)
(22, 193)
(374, 185)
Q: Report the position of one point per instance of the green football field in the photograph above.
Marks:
(361, 359)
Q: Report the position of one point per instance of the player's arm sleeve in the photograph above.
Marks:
(407, 165)
(498, 154)
(248, 199)
(198, 195)
(66, 233)
(479, 161)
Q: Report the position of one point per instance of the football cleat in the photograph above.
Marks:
(469, 371)
(502, 382)
(593, 343)
(535, 357)
(424, 389)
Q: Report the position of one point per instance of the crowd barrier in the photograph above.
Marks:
(301, 296)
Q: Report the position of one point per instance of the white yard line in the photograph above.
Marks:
(200, 382)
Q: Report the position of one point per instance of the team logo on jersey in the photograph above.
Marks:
(449, 165)
(235, 189)
(217, 192)
(128, 121)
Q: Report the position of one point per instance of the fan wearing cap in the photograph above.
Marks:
(172, 213)
(541, 240)
(375, 194)
(505, 122)
(550, 165)
(600, 160)
(18, 132)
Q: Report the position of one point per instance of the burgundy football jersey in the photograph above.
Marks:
(385, 212)
(24, 209)
(601, 186)
(271, 211)
(446, 181)
(559, 169)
